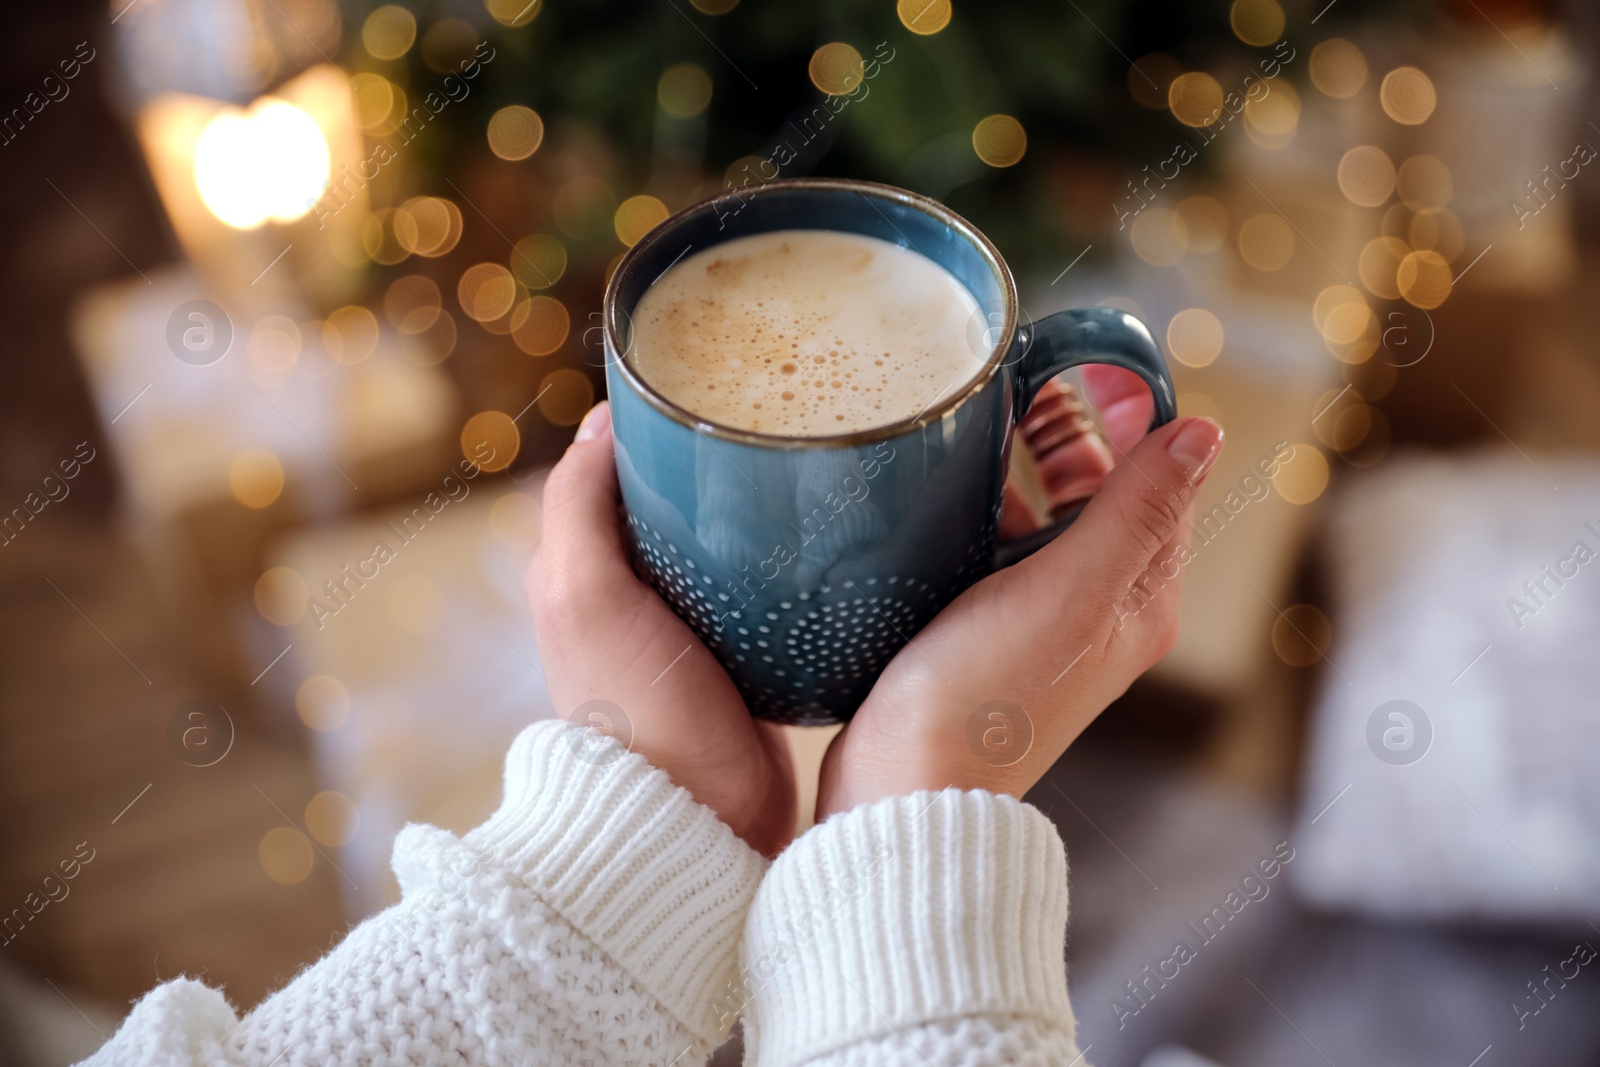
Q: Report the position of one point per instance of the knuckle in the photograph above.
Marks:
(1155, 513)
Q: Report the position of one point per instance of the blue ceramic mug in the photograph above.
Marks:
(806, 563)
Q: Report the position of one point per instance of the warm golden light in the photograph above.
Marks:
(281, 596)
(1195, 98)
(1206, 220)
(322, 703)
(1366, 175)
(1303, 477)
(1332, 297)
(1424, 183)
(1194, 336)
(1159, 236)
(436, 223)
(837, 69)
(515, 132)
(285, 855)
(1266, 242)
(486, 291)
(332, 818)
(924, 16)
(1338, 69)
(416, 604)
(684, 90)
(1272, 120)
(1380, 265)
(539, 261)
(269, 163)
(491, 440)
(389, 32)
(256, 478)
(637, 216)
(999, 140)
(1424, 279)
(350, 334)
(1438, 231)
(376, 98)
(1301, 635)
(545, 327)
(1407, 96)
(1257, 22)
(513, 13)
(273, 349)
(412, 303)
(388, 235)
(433, 343)
(567, 395)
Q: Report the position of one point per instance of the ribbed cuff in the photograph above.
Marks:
(653, 878)
(905, 912)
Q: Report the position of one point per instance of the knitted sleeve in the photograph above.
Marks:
(918, 930)
(593, 919)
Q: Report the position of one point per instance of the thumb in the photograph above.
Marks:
(582, 539)
(1140, 506)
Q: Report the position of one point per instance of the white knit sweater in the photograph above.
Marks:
(601, 916)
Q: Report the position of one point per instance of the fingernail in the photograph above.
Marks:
(1195, 447)
(594, 422)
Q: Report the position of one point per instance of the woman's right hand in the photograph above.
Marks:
(1037, 650)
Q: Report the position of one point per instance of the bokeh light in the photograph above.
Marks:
(389, 32)
(684, 90)
(515, 132)
(388, 235)
(433, 343)
(1424, 183)
(281, 596)
(566, 396)
(513, 13)
(1301, 635)
(1366, 175)
(637, 216)
(1439, 231)
(924, 16)
(539, 260)
(999, 140)
(1194, 337)
(1303, 476)
(1266, 242)
(268, 163)
(1206, 220)
(1407, 96)
(332, 818)
(1159, 236)
(1257, 22)
(350, 334)
(1272, 120)
(255, 478)
(377, 100)
(322, 703)
(836, 68)
(285, 855)
(435, 225)
(1424, 279)
(486, 291)
(491, 440)
(412, 303)
(1380, 265)
(273, 349)
(1338, 69)
(1195, 98)
(544, 327)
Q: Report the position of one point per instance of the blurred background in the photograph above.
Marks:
(274, 268)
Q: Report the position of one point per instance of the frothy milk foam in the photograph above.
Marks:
(806, 333)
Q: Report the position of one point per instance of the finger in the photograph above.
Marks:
(582, 542)
(1139, 509)
(1123, 400)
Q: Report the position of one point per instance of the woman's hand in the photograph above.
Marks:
(605, 635)
(993, 690)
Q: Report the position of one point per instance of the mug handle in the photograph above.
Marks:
(1070, 339)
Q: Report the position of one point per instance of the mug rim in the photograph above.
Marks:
(702, 425)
